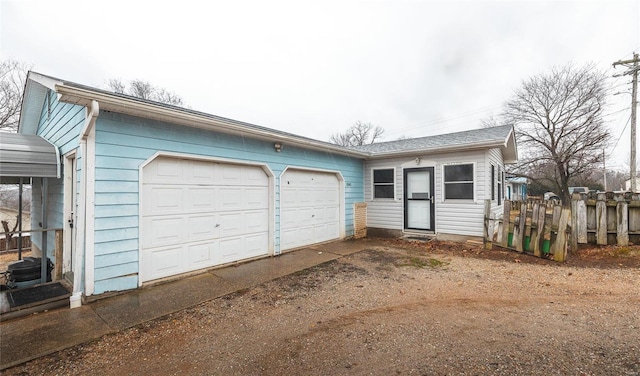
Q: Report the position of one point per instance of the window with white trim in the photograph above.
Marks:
(384, 183)
(458, 181)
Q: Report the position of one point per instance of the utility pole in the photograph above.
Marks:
(633, 71)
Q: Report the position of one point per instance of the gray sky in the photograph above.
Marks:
(313, 68)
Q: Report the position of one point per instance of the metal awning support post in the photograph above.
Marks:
(20, 220)
(44, 264)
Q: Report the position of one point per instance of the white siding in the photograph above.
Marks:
(494, 157)
(384, 213)
(459, 217)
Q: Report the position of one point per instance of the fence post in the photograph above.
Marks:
(488, 225)
(601, 219)
(559, 248)
(574, 224)
(536, 240)
(519, 238)
(534, 227)
(506, 218)
(622, 216)
(581, 217)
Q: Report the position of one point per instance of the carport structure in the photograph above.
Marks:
(24, 157)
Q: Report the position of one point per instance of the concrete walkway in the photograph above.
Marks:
(41, 334)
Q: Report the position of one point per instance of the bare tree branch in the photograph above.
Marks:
(145, 90)
(13, 75)
(559, 125)
(358, 134)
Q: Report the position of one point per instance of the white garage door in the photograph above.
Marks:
(309, 208)
(197, 214)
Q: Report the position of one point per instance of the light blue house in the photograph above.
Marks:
(148, 191)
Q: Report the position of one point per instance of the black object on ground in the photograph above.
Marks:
(36, 294)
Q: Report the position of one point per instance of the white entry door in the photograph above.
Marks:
(418, 199)
(309, 208)
(197, 214)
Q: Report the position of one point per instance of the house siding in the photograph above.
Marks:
(124, 142)
(494, 157)
(459, 217)
(61, 124)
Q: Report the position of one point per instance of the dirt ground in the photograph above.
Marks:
(434, 308)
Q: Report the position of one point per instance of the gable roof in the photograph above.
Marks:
(502, 137)
(70, 92)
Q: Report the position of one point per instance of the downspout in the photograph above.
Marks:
(81, 263)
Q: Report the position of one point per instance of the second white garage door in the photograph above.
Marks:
(309, 208)
(197, 214)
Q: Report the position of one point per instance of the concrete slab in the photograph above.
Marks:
(34, 336)
(37, 335)
(260, 271)
(141, 305)
(345, 247)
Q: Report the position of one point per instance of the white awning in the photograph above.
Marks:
(27, 156)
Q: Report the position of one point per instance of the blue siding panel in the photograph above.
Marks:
(116, 198)
(124, 142)
(60, 124)
(116, 246)
(115, 271)
(103, 236)
(116, 259)
(112, 223)
(116, 284)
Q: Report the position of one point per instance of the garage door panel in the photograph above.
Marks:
(201, 227)
(231, 224)
(163, 231)
(257, 221)
(297, 237)
(202, 172)
(230, 198)
(198, 214)
(201, 199)
(310, 208)
(256, 198)
(254, 244)
(163, 200)
(166, 262)
(253, 177)
(201, 255)
(332, 214)
(242, 247)
(297, 217)
(230, 175)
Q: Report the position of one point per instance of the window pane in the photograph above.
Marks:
(383, 176)
(383, 191)
(459, 191)
(458, 173)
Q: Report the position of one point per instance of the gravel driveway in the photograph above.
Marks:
(397, 308)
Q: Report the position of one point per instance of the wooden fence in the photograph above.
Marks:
(12, 244)
(547, 229)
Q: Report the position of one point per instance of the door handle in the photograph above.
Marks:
(431, 199)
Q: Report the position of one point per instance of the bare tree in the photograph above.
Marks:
(559, 125)
(117, 86)
(13, 75)
(358, 134)
(145, 90)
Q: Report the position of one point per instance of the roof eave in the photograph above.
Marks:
(35, 93)
(440, 149)
(83, 96)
